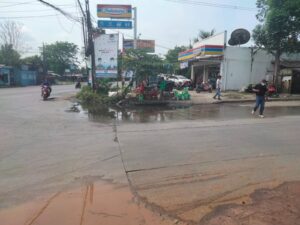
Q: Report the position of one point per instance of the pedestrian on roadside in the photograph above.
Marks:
(218, 87)
(162, 87)
(260, 90)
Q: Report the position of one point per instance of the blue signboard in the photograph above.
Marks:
(114, 24)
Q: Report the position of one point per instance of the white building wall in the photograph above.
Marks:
(217, 39)
(237, 67)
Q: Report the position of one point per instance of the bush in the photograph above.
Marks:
(91, 100)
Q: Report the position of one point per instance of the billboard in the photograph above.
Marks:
(128, 44)
(114, 11)
(106, 55)
(114, 24)
(147, 45)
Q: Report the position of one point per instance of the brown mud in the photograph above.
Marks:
(91, 204)
(278, 206)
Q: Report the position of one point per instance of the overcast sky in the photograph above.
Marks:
(168, 22)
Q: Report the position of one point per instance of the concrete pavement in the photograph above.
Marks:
(234, 97)
(183, 167)
(187, 169)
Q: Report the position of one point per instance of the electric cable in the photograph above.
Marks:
(216, 5)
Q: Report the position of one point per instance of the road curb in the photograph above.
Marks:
(244, 101)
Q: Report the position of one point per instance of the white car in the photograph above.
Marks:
(179, 80)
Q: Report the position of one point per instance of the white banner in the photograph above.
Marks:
(106, 55)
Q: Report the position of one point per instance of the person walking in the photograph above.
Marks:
(260, 90)
(218, 87)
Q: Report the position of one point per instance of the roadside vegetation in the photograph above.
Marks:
(99, 100)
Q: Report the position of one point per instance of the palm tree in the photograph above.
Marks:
(204, 34)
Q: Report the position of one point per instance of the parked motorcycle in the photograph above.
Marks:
(204, 87)
(271, 90)
(45, 92)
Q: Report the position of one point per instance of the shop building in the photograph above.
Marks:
(239, 66)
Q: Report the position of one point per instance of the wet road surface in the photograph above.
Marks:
(183, 163)
(227, 111)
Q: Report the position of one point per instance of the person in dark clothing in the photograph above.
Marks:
(47, 84)
(260, 90)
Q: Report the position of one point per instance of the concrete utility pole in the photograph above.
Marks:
(45, 72)
(135, 28)
(90, 41)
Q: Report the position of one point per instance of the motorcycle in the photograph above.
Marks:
(78, 85)
(204, 87)
(271, 90)
(45, 92)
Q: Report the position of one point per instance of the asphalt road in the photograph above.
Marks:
(44, 149)
(183, 168)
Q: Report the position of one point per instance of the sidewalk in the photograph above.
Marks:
(234, 96)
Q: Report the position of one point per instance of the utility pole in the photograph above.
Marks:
(45, 72)
(135, 28)
(90, 41)
(84, 33)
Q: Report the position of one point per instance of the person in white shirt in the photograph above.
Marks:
(218, 87)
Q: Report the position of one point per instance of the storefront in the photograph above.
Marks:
(239, 66)
(205, 58)
(290, 79)
(6, 76)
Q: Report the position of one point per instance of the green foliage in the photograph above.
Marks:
(33, 60)
(204, 34)
(279, 31)
(142, 63)
(60, 55)
(172, 59)
(102, 86)
(280, 28)
(9, 56)
(172, 54)
(95, 101)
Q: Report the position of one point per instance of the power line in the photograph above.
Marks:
(57, 8)
(15, 4)
(216, 5)
(28, 17)
(29, 11)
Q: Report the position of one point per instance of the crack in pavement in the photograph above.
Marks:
(208, 162)
(42, 210)
(111, 157)
(106, 214)
(84, 205)
(155, 186)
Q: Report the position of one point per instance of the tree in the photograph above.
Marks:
(60, 56)
(172, 58)
(11, 34)
(142, 63)
(9, 56)
(279, 29)
(35, 62)
(204, 34)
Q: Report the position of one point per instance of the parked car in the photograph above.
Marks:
(180, 81)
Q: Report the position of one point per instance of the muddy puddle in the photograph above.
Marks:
(161, 114)
(91, 204)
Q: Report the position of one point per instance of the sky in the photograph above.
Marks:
(169, 22)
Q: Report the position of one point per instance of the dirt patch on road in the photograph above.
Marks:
(99, 203)
(279, 206)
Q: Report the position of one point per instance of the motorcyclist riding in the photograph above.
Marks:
(47, 84)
